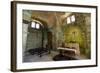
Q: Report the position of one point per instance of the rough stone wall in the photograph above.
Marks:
(61, 31)
(82, 28)
(34, 40)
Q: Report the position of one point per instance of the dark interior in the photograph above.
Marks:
(56, 35)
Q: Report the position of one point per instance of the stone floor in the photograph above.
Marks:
(37, 58)
(46, 57)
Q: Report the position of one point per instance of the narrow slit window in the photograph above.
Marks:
(73, 18)
(37, 26)
(33, 25)
(68, 20)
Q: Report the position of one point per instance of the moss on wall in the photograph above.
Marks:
(79, 32)
(74, 34)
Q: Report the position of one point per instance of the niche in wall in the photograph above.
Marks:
(34, 38)
(38, 35)
(73, 34)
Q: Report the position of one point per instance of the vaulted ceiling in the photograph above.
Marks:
(51, 18)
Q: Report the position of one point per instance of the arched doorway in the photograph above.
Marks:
(39, 36)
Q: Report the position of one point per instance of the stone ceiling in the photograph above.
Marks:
(51, 18)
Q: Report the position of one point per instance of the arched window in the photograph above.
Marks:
(71, 19)
(35, 24)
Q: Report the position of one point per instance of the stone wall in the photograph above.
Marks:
(82, 31)
(26, 21)
(34, 40)
(55, 22)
